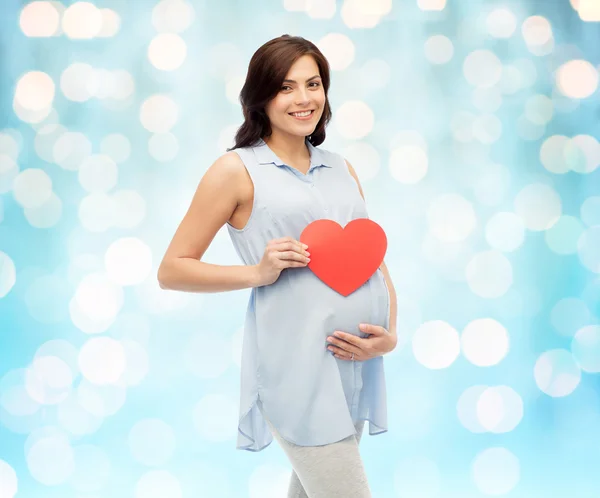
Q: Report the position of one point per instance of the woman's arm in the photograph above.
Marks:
(386, 273)
(214, 202)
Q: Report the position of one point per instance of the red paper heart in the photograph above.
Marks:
(344, 258)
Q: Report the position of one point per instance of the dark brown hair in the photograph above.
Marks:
(267, 69)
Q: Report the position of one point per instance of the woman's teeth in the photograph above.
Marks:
(301, 114)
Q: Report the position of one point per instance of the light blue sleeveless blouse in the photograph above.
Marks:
(311, 397)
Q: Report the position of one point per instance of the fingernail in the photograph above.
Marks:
(305, 246)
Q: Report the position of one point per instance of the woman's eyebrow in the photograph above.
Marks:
(311, 78)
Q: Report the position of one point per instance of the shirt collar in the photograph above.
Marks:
(265, 155)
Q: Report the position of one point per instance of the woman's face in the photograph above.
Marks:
(305, 94)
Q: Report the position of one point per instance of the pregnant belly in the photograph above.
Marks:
(296, 314)
(312, 306)
(367, 304)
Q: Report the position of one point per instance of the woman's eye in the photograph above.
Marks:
(312, 83)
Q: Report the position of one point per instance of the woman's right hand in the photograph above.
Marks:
(280, 254)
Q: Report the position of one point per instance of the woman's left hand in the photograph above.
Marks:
(379, 342)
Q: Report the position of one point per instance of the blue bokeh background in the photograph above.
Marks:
(461, 120)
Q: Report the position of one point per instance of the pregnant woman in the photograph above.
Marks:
(300, 382)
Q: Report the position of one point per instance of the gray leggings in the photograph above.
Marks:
(326, 471)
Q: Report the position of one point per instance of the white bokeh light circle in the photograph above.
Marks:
(501, 23)
(98, 296)
(32, 187)
(482, 68)
(101, 400)
(557, 373)
(436, 344)
(9, 484)
(130, 208)
(587, 247)
(536, 31)
(98, 173)
(9, 170)
(585, 347)
(152, 442)
(562, 237)
(499, 409)
(75, 419)
(466, 409)
(128, 261)
(586, 152)
(82, 21)
(339, 50)
(354, 119)
(39, 19)
(154, 300)
(50, 460)
(552, 154)
(439, 49)
(90, 324)
(92, 468)
(48, 380)
(45, 138)
(124, 85)
(102, 360)
(98, 212)
(408, 164)
(14, 398)
(159, 113)
(8, 274)
(172, 16)
(539, 109)
(137, 362)
(167, 51)
(365, 160)
(484, 342)
(60, 348)
(505, 231)
(363, 14)
(78, 82)
(538, 205)
(590, 211)
(34, 91)
(47, 214)
(577, 79)
(489, 274)
(495, 471)
(11, 143)
(451, 218)
(70, 149)
(158, 484)
(487, 128)
(111, 23)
